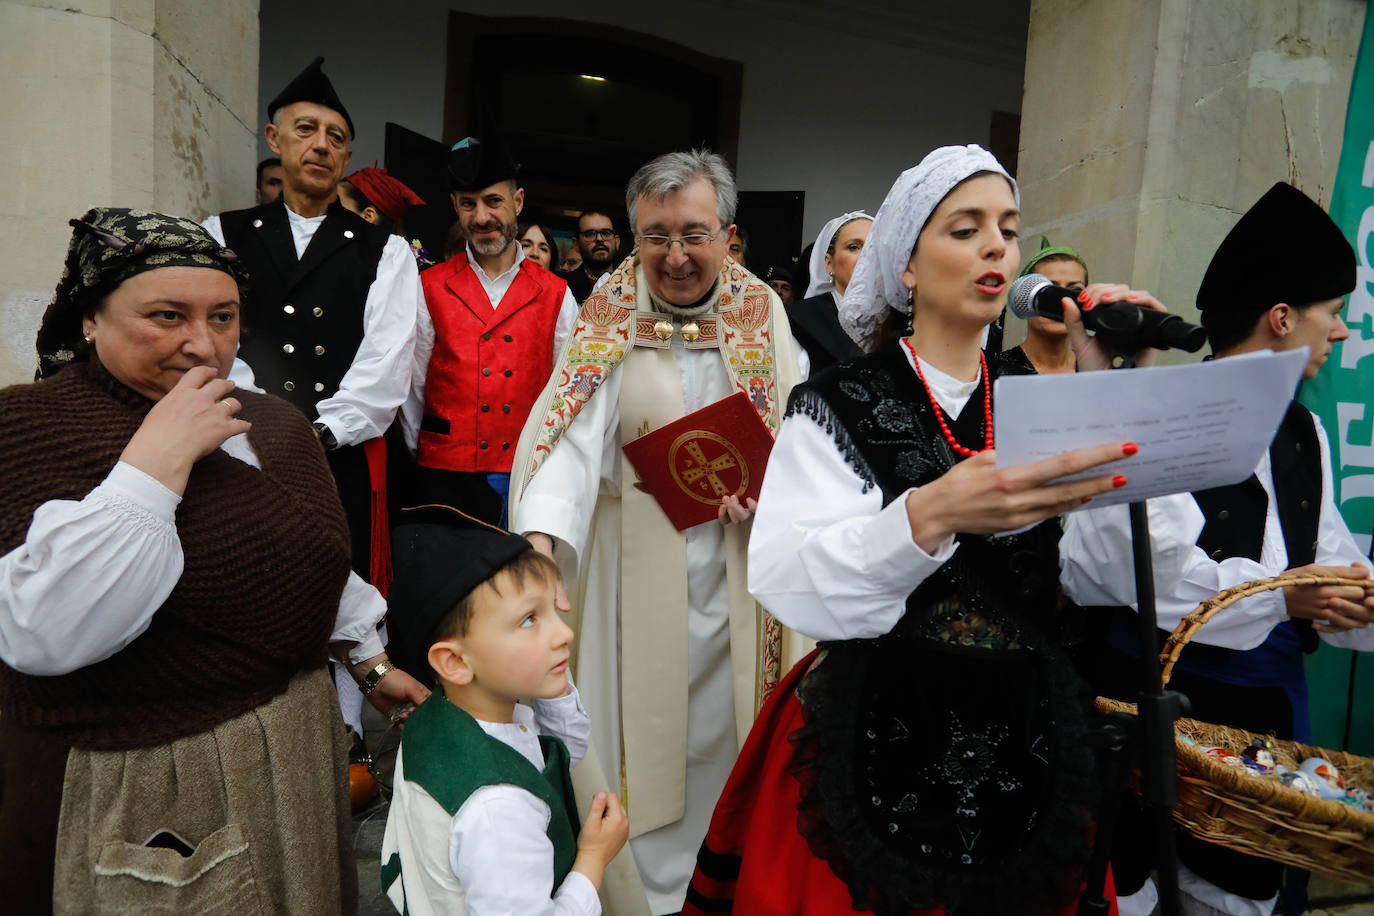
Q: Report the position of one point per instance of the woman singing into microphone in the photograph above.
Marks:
(929, 757)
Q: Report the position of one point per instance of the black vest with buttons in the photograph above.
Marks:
(1235, 515)
(943, 762)
(303, 319)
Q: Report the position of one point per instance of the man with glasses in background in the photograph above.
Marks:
(673, 655)
(599, 245)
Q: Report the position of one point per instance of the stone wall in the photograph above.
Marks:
(145, 103)
(1148, 127)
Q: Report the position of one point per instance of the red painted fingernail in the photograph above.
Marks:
(1130, 448)
(1119, 481)
(1087, 499)
(1083, 296)
(1087, 306)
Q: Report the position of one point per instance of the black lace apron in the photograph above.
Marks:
(943, 764)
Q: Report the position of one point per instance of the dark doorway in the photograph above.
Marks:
(418, 162)
(583, 105)
(773, 220)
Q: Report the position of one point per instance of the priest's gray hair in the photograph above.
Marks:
(673, 172)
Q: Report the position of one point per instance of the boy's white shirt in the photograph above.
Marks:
(494, 856)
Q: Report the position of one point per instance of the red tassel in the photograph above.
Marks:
(380, 573)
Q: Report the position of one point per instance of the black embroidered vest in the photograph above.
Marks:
(884, 422)
(942, 764)
(303, 320)
(816, 327)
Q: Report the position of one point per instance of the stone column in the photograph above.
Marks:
(139, 103)
(1149, 126)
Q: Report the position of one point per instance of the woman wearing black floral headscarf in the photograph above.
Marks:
(175, 571)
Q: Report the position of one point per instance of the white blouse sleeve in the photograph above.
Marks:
(361, 608)
(1095, 553)
(825, 557)
(501, 854)
(565, 718)
(89, 575)
(1337, 547)
(378, 381)
(567, 317)
(413, 410)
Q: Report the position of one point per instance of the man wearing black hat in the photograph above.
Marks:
(1275, 283)
(329, 319)
(780, 279)
(493, 324)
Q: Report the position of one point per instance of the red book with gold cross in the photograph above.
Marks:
(689, 465)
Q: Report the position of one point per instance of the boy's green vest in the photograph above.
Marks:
(449, 755)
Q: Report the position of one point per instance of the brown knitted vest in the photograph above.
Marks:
(266, 558)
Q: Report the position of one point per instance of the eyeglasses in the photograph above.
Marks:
(588, 234)
(665, 242)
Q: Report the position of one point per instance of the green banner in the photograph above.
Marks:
(1342, 395)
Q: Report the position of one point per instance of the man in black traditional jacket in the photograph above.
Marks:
(329, 321)
(1277, 282)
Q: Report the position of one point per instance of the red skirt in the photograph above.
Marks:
(754, 860)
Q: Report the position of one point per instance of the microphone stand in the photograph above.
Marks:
(1148, 739)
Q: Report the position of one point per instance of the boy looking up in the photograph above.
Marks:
(483, 819)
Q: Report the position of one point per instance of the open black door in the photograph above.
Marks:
(418, 161)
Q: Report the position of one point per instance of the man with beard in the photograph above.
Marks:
(486, 345)
(598, 244)
(673, 654)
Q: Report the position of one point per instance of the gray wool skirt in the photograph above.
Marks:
(262, 799)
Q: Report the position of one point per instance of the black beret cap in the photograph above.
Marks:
(475, 163)
(777, 273)
(439, 556)
(311, 85)
(1284, 249)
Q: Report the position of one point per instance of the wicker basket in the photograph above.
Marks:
(1263, 817)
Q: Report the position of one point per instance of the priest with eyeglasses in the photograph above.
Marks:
(674, 656)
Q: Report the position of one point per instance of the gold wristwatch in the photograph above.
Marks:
(374, 677)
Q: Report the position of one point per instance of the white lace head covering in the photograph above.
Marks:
(876, 286)
(822, 282)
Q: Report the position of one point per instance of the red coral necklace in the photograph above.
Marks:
(940, 414)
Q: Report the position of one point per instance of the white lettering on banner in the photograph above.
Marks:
(1357, 486)
(1361, 456)
(1361, 306)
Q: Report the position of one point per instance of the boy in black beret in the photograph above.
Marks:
(1276, 282)
(483, 817)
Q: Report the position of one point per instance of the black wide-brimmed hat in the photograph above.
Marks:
(475, 163)
(1284, 249)
(311, 85)
(439, 555)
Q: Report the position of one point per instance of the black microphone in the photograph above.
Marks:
(1126, 326)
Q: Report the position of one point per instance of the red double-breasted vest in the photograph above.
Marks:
(488, 365)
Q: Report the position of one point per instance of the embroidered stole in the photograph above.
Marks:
(617, 318)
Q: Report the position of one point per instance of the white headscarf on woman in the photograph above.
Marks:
(821, 281)
(876, 287)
